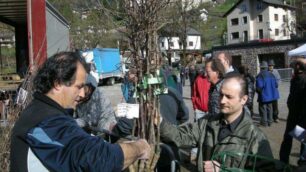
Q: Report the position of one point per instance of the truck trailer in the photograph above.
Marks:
(40, 31)
(106, 64)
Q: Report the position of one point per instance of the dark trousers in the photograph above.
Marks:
(183, 80)
(286, 145)
(275, 109)
(265, 111)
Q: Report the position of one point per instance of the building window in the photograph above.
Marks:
(275, 17)
(234, 21)
(190, 43)
(243, 8)
(245, 20)
(171, 44)
(284, 32)
(245, 36)
(260, 34)
(235, 35)
(303, 5)
(259, 6)
(276, 32)
(259, 18)
(162, 44)
(284, 18)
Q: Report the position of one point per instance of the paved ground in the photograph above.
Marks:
(274, 133)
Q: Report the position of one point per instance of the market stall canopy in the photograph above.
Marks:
(300, 51)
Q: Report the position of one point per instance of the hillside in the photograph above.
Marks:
(212, 30)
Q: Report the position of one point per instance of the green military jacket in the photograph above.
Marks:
(246, 138)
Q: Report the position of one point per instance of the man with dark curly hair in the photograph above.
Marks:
(47, 138)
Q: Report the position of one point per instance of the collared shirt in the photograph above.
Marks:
(231, 69)
(227, 129)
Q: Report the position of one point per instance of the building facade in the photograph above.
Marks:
(262, 20)
(173, 44)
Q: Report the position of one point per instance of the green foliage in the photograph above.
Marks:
(8, 60)
(90, 31)
(214, 28)
(104, 16)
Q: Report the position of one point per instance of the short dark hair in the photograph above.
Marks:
(242, 81)
(243, 70)
(59, 68)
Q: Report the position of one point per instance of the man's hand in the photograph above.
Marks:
(211, 166)
(144, 148)
(158, 119)
(133, 150)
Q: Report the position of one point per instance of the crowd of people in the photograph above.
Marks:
(54, 131)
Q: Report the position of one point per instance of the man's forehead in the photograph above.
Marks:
(231, 85)
(221, 56)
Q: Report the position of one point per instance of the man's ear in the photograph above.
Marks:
(57, 85)
(244, 99)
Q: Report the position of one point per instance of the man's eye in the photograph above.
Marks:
(80, 86)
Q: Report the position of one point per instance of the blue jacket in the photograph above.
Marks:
(46, 138)
(266, 87)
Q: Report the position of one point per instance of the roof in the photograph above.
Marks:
(167, 31)
(269, 2)
(14, 12)
(191, 31)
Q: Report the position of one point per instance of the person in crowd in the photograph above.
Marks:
(128, 85)
(226, 61)
(96, 115)
(47, 138)
(200, 94)
(231, 130)
(95, 110)
(172, 106)
(296, 103)
(244, 71)
(215, 72)
(169, 77)
(182, 74)
(267, 90)
(192, 73)
(278, 79)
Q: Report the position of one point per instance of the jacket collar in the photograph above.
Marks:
(45, 99)
(215, 121)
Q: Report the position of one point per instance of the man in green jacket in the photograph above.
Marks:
(230, 131)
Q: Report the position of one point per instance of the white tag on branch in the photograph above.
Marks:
(128, 110)
(22, 96)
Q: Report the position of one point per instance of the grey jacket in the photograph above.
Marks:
(97, 112)
(214, 96)
(246, 138)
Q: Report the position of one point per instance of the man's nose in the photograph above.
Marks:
(222, 99)
(82, 92)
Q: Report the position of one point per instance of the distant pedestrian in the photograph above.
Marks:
(182, 75)
(192, 76)
(244, 71)
(200, 94)
(266, 88)
(226, 61)
(215, 72)
(278, 79)
(297, 110)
